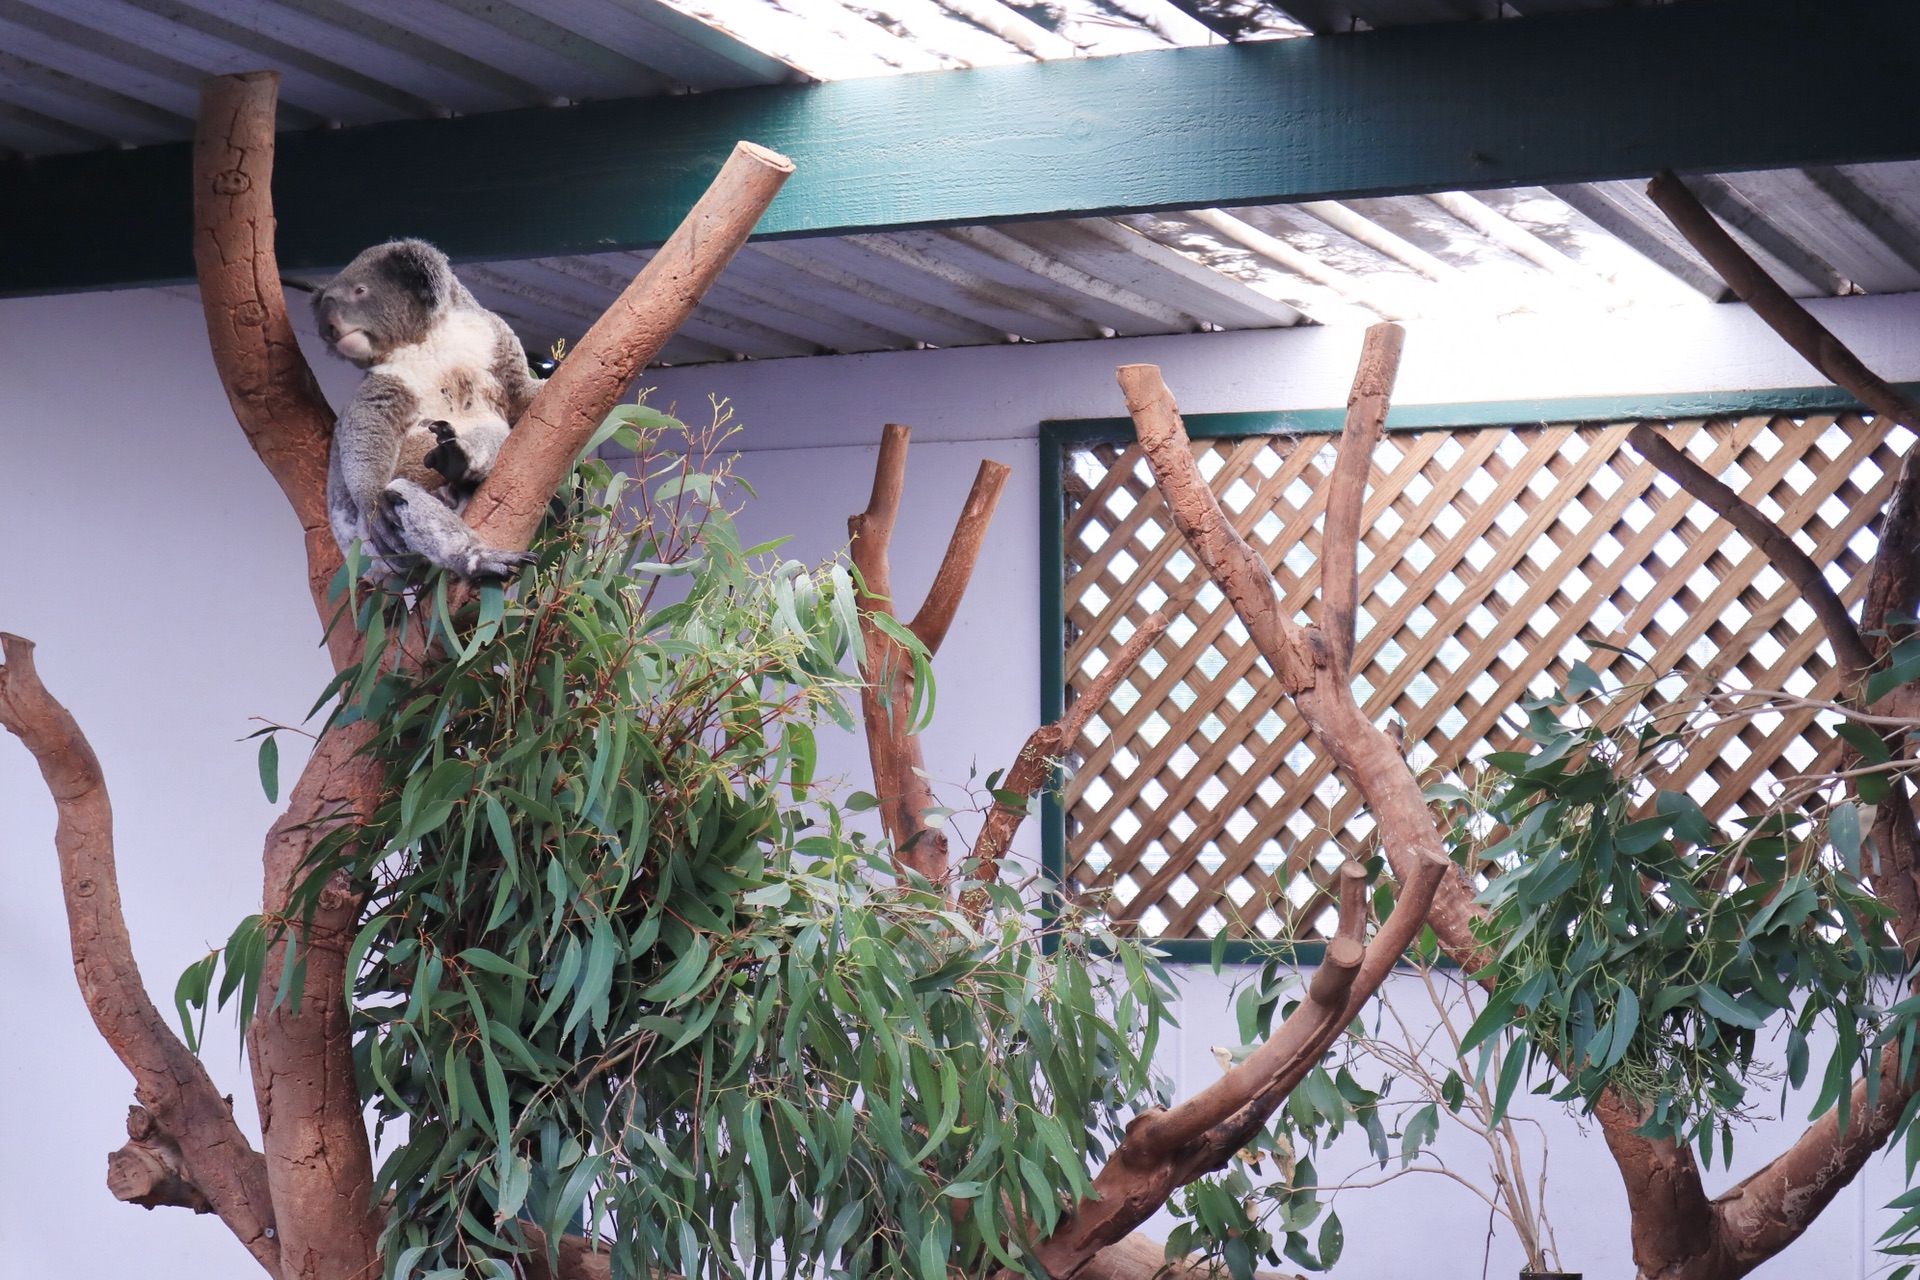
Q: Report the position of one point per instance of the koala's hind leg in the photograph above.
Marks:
(464, 454)
(431, 528)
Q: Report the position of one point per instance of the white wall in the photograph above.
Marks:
(166, 621)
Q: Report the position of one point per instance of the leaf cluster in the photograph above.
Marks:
(1643, 948)
(625, 969)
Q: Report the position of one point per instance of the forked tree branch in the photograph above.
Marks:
(886, 697)
(935, 614)
(174, 1090)
(1164, 1150)
(542, 447)
(317, 1156)
(1677, 1230)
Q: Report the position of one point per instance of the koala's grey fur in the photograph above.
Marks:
(438, 362)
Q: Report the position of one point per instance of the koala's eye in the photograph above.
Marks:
(359, 291)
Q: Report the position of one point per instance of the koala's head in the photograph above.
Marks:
(389, 296)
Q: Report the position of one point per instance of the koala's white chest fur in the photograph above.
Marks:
(451, 372)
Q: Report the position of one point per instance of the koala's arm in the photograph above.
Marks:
(432, 529)
(366, 448)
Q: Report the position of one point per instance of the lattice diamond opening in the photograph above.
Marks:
(1494, 558)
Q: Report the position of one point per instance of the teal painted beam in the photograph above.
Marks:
(1577, 97)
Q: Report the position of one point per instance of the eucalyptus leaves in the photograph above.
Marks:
(624, 968)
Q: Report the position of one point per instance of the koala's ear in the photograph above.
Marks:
(417, 267)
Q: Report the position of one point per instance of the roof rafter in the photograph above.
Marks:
(1610, 94)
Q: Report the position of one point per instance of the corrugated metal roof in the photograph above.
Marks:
(78, 74)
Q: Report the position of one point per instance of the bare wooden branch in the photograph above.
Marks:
(542, 447)
(936, 612)
(1785, 316)
(1163, 1150)
(1895, 582)
(267, 379)
(1351, 894)
(178, 1097)
(1347, 490)
(1782, 551)
(899, 766)
(1034, 765)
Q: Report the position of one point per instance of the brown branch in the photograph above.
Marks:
(1034, 765)
(267, 379)
(1677, 1231)
(1785, 316)
(1347, 489)
(177, 1096)
(1163, 1150)
(541, 448)
(318, 1162)
(1795, 565)
(936, 612)
(311, 1124)
(1895, 583)
(899, 766)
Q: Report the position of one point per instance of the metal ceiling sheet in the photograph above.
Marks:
(78, 74)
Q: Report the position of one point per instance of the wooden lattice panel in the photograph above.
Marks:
(1492, 557)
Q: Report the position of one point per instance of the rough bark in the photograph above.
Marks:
(267, 379)
(899, 766)
(176, 1095)
(312, 1126)
(1165, 1149)
(318, 1160)
(507, 509)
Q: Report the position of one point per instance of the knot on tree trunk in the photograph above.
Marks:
(147, 1170)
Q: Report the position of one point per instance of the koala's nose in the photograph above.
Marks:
(330, 331)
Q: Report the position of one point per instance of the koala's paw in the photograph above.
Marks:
(488, 564)
(449, 456)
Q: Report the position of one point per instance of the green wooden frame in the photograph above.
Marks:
(1602, 94)
(1058, 436)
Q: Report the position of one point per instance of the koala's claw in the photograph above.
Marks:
(490, 564)
(449, 456)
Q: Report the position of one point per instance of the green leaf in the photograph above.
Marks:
(1724, 1007)
(1333, 1240)
(191, 993)
(1512, 1067)
(1843, 829)
(270, 768)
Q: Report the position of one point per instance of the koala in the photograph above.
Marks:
(445, 380)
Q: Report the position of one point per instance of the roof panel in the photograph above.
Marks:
(88, 73)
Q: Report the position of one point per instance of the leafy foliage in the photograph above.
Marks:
(1641, 947)
(624, 968)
